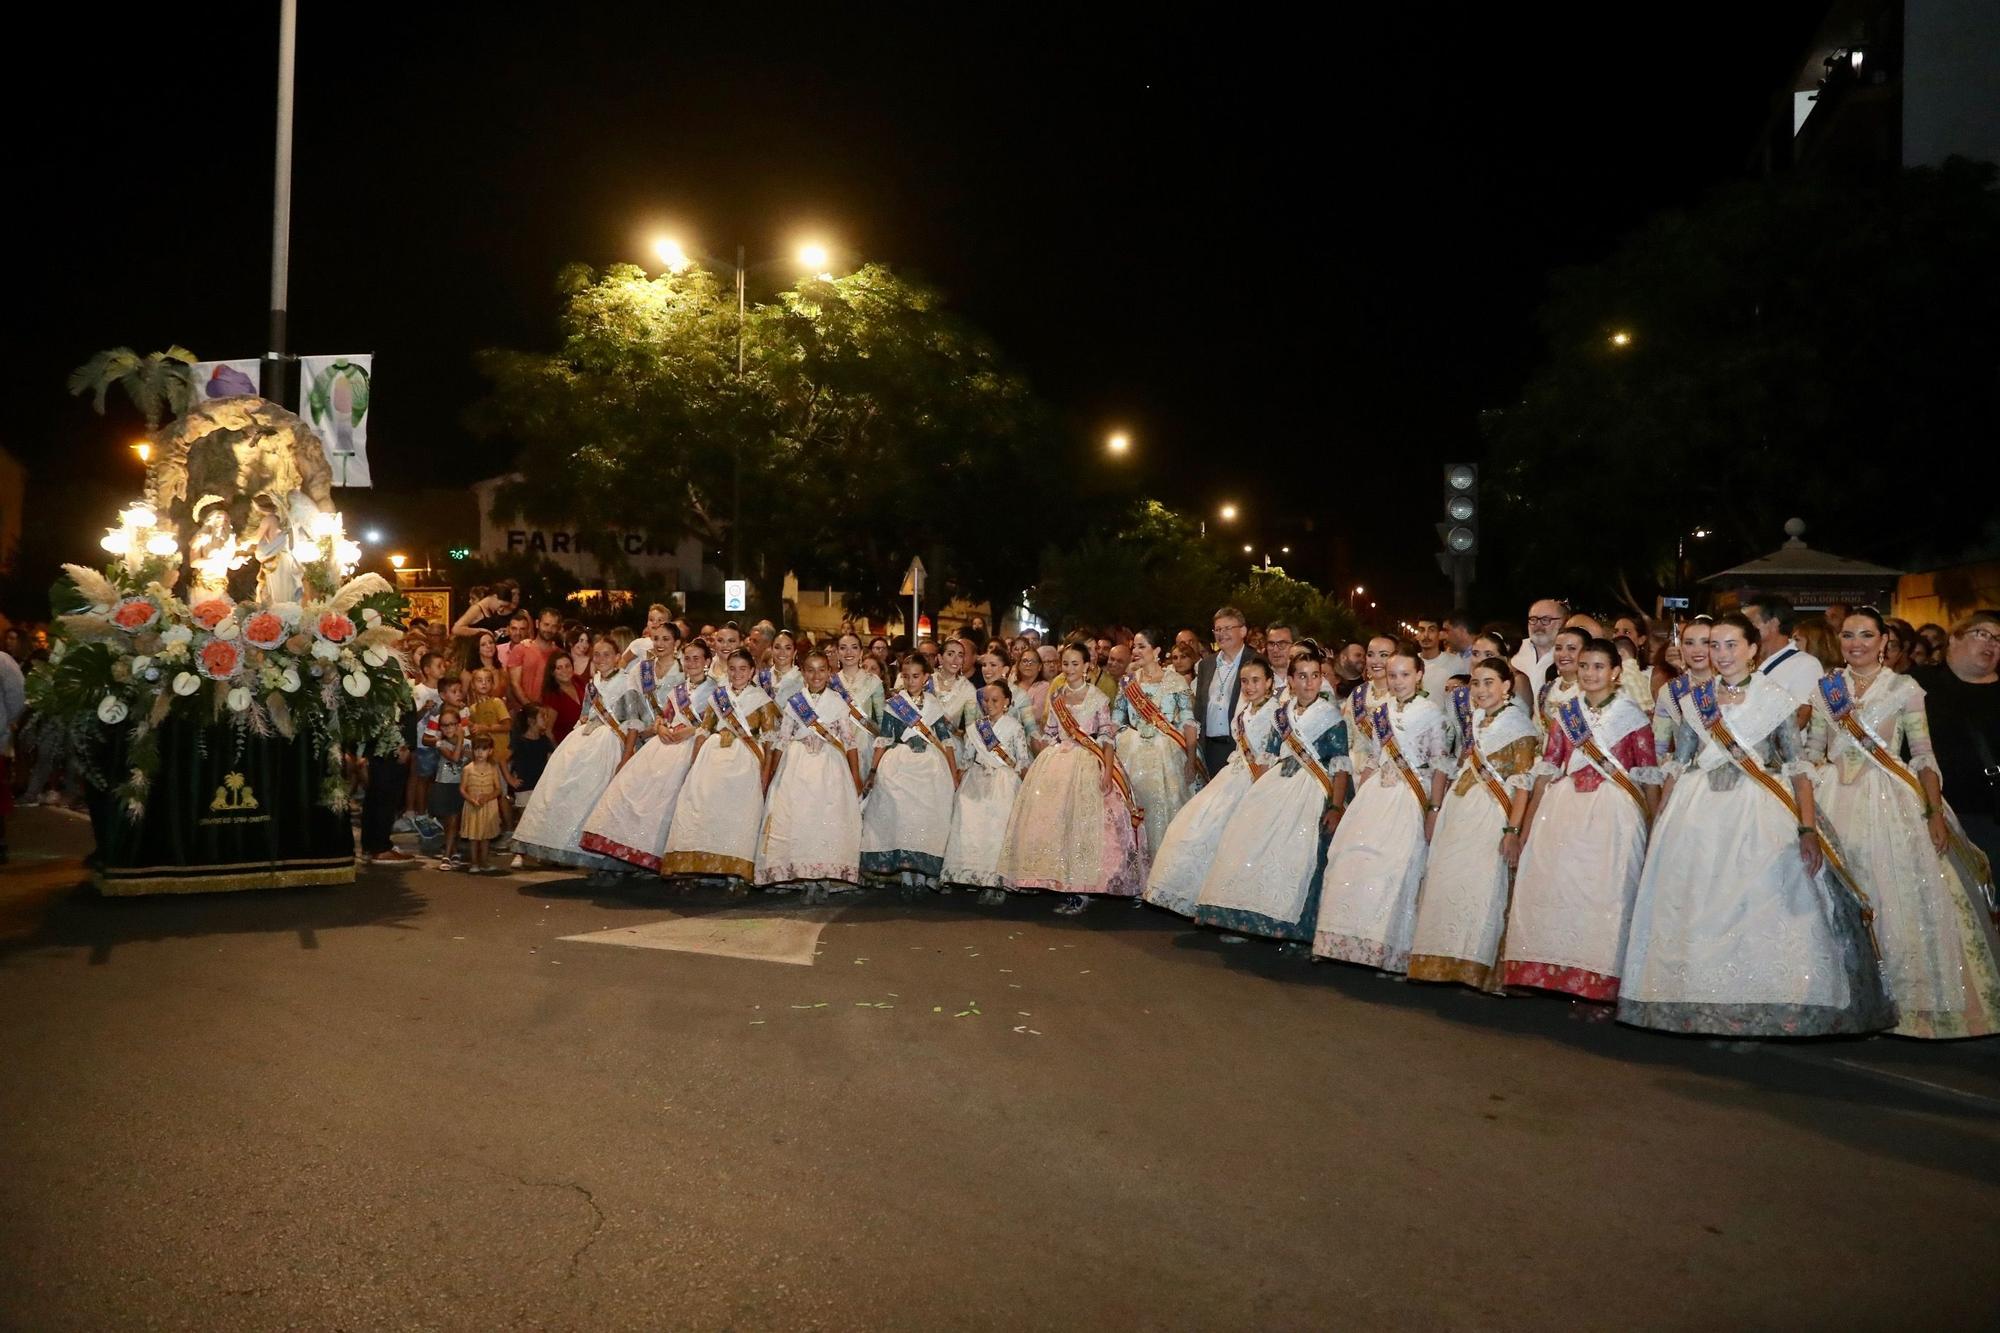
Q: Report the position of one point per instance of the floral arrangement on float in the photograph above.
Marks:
(312, 655)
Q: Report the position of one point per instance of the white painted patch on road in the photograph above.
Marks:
(758, 937)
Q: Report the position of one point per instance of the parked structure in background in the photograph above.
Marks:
(1890, 83)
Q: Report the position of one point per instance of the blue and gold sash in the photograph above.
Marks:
(1576, 726)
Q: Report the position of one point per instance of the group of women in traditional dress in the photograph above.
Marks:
(1732, 861)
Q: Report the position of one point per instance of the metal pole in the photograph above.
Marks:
(281, 202)
(736, 488)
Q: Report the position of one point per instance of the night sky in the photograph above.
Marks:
(1257, 246)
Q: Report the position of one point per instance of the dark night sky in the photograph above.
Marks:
(1241, 240)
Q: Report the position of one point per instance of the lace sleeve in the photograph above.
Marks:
(1433, 747)
(1819, 738)
(1917, 734)
(1787, 751)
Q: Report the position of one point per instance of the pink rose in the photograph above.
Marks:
(210, 613)
(220, 659)
(264, 630)
(134, 614)
(335, 628)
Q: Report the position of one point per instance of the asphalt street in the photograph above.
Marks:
(413, 1103)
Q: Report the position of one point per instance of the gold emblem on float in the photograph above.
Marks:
(234, 796)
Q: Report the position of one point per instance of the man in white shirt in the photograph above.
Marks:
(1215, 689)
(1439, 665)
(1536, 657)
(1779, 660)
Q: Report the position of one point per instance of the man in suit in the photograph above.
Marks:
(1215, 688)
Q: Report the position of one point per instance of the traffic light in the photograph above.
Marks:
(1460, 530)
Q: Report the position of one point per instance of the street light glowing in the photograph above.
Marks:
(815, 258)
(398, 559)
(1246, 548)
(1119, 443)
(1229, 516)
(144, 449)
(373, 536)
(671, 254)
(1621, 339)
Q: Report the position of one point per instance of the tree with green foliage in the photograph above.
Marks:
(870, 425)
(1268, 597)
(1814, 345)
(1153, 566)
(160, 385)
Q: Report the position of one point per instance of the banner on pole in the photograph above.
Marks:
(228, 379)
(334, 390)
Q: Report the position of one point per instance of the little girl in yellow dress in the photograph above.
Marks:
(480, 786)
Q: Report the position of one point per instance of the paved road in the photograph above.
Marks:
(413, 1104)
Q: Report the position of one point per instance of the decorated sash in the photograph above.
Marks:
(594, 699)
(911, 717)
(1709, 706)
(1282, 723)
(1468, 727)
(1576, 726)
(1360, 701)
(1066, 719)
(1243, 741)
(1142, 703)
(1843, 708)
(802, 709)
(991, 740)
(1385, 736)
(839, 687)
(725, 710)
(649, 680)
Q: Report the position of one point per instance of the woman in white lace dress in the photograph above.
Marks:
(1469, 874)
(1741, 926)
(1375, 864)
(1585, 836)
(1902, 842)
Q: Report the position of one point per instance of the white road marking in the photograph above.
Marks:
(759, 937)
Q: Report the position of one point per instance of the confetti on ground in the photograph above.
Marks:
(1013, 985)
(1024, 1013)
(1006, 969)
(972, 955)
(892, 995)
(1084, 973)
(756, 1022)
(801, 1006)
(458, 937)
(963, 1012)
(937, 1008)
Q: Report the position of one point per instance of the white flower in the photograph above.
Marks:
(371, 617)
(173, 652)
(227, 628)
(289, 680)
(324, 651)
(378, 656)
(175, 636)
(289, 612)
(356, 684)
(141, 662)
(238, 699)
(348, 662)
(111, 710)
(186, 683)
(57, 653)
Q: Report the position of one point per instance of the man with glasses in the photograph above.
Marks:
(1536, 657)
(1215, 689)
(1962, 706)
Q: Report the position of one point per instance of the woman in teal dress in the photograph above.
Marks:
(1157, 741)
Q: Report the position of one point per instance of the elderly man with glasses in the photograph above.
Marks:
(1215, 686)
(1536, 657)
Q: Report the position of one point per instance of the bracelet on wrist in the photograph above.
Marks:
(1807, 830)
(1510, 828)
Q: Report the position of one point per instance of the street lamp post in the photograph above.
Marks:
(815, 258)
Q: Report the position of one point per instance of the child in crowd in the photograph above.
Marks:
(446, 801)
(480, 787)
(526, 759)
(491, 719)
(425, 702)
